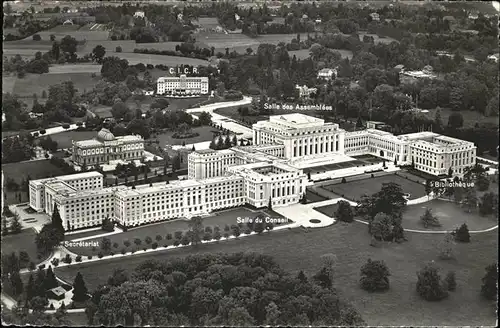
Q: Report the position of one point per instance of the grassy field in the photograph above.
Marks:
(207, 22)
(356, 189)
(36, 83)
(64, 139)
(35, 169)
(300, 54)
(204, 131)
(450, 216)
(297, 250)
(74, 68)
(228, 217)
(470, 117)
(135, 58)
(65, 28)
(110, 45)
(8, 83)
(24, 241)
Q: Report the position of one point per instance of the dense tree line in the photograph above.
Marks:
(235, 290)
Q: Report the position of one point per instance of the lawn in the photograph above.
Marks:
(470, 117)
(220, 219)
(356, 189)
(300, 54)
(312, 197)
(109, 45)
(79, 35)
(297, 250)
(75, 68)
(328, 210)
(64, 139)
(24, 241)
(449, 215)
(36, 83)
(204, 131)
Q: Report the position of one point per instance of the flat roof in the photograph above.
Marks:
(88, 143)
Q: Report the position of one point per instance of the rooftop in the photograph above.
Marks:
(295, 118)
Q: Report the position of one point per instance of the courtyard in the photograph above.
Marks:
(206, 133)
(297, 250)
(354, 190)
(221, 219)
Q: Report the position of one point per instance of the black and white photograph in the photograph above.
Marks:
(218, 163)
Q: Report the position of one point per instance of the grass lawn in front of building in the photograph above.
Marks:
(356, 189)
(206, 133)
(297, 250)
(65, 139)
(221, 218)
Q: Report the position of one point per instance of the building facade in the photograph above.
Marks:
(264, 172)
(182, 86)
(106, 147)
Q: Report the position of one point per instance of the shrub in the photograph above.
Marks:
(42, 131)
(208, 229)
(89, 257)
(78, 258)
(115, 245)
(216, 228)
(37, 37)
(158, 237)
(148, 240)
(446, 248)
(429, 220)
(178, 234)
(217, 235)
(462, 234)
(168, 236)
(52, 304)
(344, 211)
(177, 242)
(100, 255)
(489, 287)
(375, 276)
(144, 249)
(372, 176)
(36, 134)
(118, 49)
(55, 262)
(123, 251)
(68, 259)
(227, 228)
(344, 180)
(450, 281)
(207, 236)
(226, 235)
(154, 245)
(41, 266)
(65, 126)
(185, 240)
(429, 285)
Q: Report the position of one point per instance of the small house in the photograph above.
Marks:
(56, 293)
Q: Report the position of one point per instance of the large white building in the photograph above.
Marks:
(106, 147)
(269, 170)
(182, 85)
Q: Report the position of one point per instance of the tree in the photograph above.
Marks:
(429, 220)
(270, 204)
(429, 285)
(48, 238)
(381, 227)
(344, 211)
(38, 303)
(323, 278)
(56, 219)
(462, 234)
(470, 201)
(482, 182)
(489, 288)
(447, 248)
(79, 289)
(50, 280)
(16, 283)
(455, 120)
(375, 276)
(489, 204)
(148, 240)
(450, 281)
(5, 227)
(106, 244)
(37, 37)
(196, 229)
(118, 277)
(15, 225)
(30, 288)
(107, 225)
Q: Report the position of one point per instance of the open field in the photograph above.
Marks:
(65, 28)
(110, 45)
(470, 117)
(36, 83)
(64, 138)
(204, 131)
(136, 58)
(296, 250)
(75, 68)
(356, 189)
(8, 83)
(207, 22)
(79, 35)
(300, 54)
(220, 219)
(240, 42)
(24, 241)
